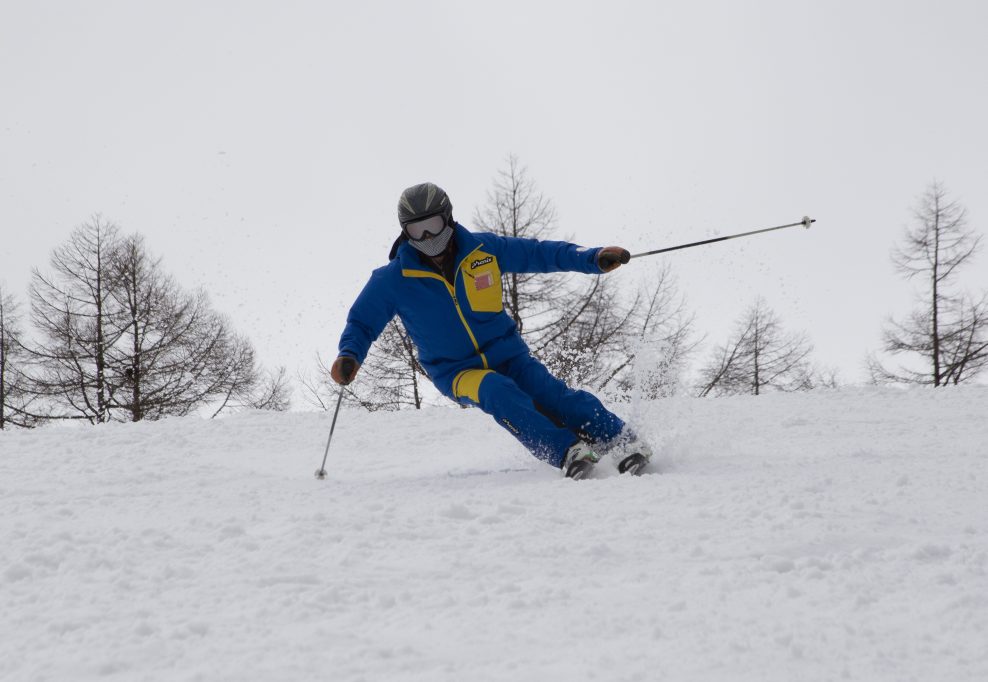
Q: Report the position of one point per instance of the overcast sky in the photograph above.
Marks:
(261, 147)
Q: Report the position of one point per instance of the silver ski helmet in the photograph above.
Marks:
(425, 214)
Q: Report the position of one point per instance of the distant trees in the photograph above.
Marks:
(118, 339)
(14, 400)
(7, 332)
(759, 355)
(948, 331)
(590, 332)
(640, 340)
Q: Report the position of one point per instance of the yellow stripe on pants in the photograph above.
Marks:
(467, 384)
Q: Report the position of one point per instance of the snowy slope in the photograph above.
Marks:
(788, 537)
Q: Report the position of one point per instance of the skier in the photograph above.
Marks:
(444, 283)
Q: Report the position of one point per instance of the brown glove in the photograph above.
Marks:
(612, 257)
(344, 369)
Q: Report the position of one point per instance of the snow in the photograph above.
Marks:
(818, 536)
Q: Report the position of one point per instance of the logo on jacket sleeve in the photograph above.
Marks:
(481, 261)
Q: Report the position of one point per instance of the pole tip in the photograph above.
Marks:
(807, 221)
(320, 474)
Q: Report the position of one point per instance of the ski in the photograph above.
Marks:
(633, 465)
(581, 468)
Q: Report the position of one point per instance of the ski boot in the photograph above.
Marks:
(579, 461)
(633, 456)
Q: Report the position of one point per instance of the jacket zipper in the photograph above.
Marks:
(456, 303)
(459, 311)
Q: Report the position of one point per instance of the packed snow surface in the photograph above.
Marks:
(819, 536)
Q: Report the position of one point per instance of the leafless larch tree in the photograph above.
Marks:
(759, 355)
(390, 377)
(516, 208)
(15, 401)
(587, 331)
(659, 341)
(174, 353)
(946, 336)
(119, 339)
(72, 309)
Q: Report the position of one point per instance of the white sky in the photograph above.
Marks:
(261, 146)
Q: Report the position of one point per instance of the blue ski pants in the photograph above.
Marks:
(541, 411)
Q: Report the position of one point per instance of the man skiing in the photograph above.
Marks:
(444, 283)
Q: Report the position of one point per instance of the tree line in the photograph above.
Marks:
(115, 338)
(644, 342)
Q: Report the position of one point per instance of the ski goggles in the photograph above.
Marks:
(430, 227)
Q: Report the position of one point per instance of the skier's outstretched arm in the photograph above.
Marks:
(517, 254)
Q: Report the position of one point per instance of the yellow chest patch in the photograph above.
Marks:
(482, 280)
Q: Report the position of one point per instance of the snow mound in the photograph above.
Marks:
(809, 536)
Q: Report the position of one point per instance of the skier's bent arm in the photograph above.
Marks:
(367, 318)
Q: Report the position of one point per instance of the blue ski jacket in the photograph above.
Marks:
(458, 326)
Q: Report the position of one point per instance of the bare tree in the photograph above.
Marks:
(965, 345)
(389, 379)
(586, 347)
(272, 391)
(826, 377)
(149, 323)
(234, 376)
(394, 373)
(759, 355)
(175, 354)
(659, 342)
(72, 310)
(318, 388)
(948, 331)
(587, 331)
(7, 332)
(516, 208)
(15, 401)
(639, 342)
(121, 340)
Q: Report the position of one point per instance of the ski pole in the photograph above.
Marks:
(321, 471)
(805, 222)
